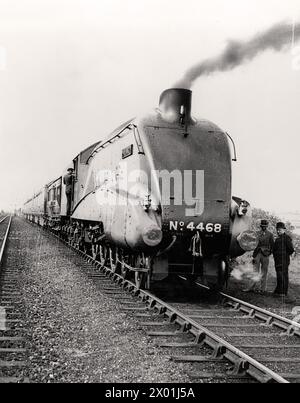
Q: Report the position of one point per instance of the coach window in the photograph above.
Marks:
(58, 195)
(51, 194)
(76, 168)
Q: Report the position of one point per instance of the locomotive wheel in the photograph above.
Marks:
(103, 255)
(148, 274)
(222, 274)
(139, 277)
(95, 252)
(218, 285)
(113, 259)
(124, 270)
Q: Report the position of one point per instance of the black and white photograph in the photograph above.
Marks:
(149, 194)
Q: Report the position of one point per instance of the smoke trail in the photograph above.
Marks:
(236, 53)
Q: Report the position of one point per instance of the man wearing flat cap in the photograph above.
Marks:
(261, 253)
(283, 248)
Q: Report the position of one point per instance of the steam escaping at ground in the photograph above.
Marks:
(276, 38)
(246, 272)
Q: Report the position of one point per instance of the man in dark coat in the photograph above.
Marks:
(282, 250)
(261, 258)
(68, 181)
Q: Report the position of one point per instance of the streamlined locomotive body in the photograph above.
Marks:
(155, 198)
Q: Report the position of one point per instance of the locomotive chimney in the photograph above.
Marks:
(175, 105)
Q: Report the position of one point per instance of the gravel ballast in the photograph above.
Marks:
(74, 333)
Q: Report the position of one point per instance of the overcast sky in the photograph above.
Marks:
(76, 69)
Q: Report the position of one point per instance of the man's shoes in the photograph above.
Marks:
(247, 290)
(261, 292)
(256, 291)
(289, 300)
(276, 294)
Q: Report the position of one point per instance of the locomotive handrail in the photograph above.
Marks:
(137, 138)
(110, 138)
(53, 181)
(136, 134)
(234, 149)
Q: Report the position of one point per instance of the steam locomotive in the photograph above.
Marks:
(153, 198)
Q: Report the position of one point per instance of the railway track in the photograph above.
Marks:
(12, 342)
(267, 337)
(238, 340)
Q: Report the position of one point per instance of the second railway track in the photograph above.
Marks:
(13, 354)
(239, 341)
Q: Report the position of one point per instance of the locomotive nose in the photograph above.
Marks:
(175, 105)
(152, 235)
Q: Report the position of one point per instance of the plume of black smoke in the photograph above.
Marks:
(276, 38)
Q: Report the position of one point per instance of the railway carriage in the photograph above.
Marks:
(34, 208)
(155, 198)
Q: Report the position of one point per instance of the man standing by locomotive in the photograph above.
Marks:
(69, 181)
(261, 258)
(282, 250)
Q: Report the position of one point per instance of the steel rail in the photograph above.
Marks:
(272, 319)
(291, 327)
(2, 219)
(5, 239)
(243, 363)
(11, 363)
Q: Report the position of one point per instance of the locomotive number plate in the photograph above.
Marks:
(192, 226)
(126, 152)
